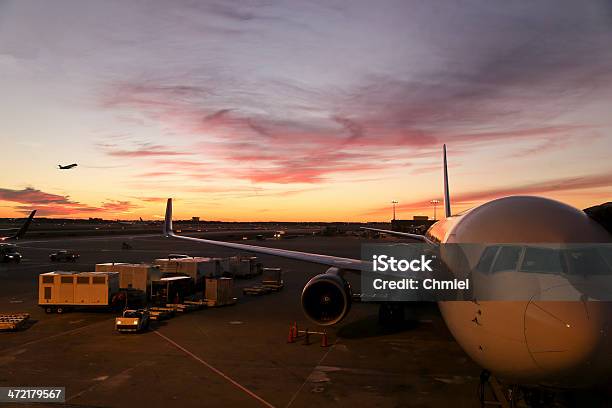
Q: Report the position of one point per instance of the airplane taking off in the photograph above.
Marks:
(528, 343)
(67, 167)
(17, 233)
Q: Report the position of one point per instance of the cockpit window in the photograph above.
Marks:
(542, 260)
(484, 264)
(507, 259)
(586, 261)
(606, 253)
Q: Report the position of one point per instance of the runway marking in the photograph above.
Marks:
(102, 379)
(29, 343)
(76, 321)
(291, 401)
(215, 370)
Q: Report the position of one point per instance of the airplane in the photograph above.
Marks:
(17, 233)
(531, 344)
(67, 167)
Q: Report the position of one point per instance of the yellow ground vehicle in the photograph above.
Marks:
(133, 321)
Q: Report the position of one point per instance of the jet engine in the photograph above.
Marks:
(326, 298)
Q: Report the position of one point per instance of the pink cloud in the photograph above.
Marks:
(31, 195)
(152, 199)
(373, 131)
(59, 205)
(143, 150)
(115, 206)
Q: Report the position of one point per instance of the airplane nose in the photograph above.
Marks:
(570, 339)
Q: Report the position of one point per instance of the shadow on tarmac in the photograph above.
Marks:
(370, 327)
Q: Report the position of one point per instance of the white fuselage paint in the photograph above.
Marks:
(554, 343)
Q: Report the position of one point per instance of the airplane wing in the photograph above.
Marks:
(335, 261)
(20, 232)
(418, 237)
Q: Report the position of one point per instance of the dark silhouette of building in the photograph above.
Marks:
(418, 225)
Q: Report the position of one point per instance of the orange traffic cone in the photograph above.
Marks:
(324, 342)
(296, 331)
(290, 337)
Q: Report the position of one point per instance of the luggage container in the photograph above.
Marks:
(257, 266)
(219, 291)
(197, 268)
(272, 276)
(109, 266)
(229, 265)
(247, 267)
(133, 276)
(171, 289)
(244, 269)
(60, 291)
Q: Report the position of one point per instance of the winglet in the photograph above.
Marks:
(168, 220)
(26, 224)
(447, 206)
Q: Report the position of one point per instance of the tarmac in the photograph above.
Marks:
(227, 356)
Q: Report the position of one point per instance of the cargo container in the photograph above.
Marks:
(272, 275)
(229, 265)
(219, 291)
(60, 291)
(257, 266)
(133, 276)
(244, 269)
(197, 268)
(109, 267)
(171, 289)
(247, 266)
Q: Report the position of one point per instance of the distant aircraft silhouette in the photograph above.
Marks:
(67, 167)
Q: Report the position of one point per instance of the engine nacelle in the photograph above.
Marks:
(326, 298)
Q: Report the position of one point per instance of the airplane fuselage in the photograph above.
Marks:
(555, 343)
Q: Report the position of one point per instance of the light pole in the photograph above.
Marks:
(435, 203)
(394, 202)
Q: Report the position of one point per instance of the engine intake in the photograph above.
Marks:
(326, 298)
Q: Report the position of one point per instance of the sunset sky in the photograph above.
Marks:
(301, 111)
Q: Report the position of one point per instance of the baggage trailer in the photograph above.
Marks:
(61, 291)
(13, 321)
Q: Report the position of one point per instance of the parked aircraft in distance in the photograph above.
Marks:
(529, 343)
(67, 167)
(17, 233)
